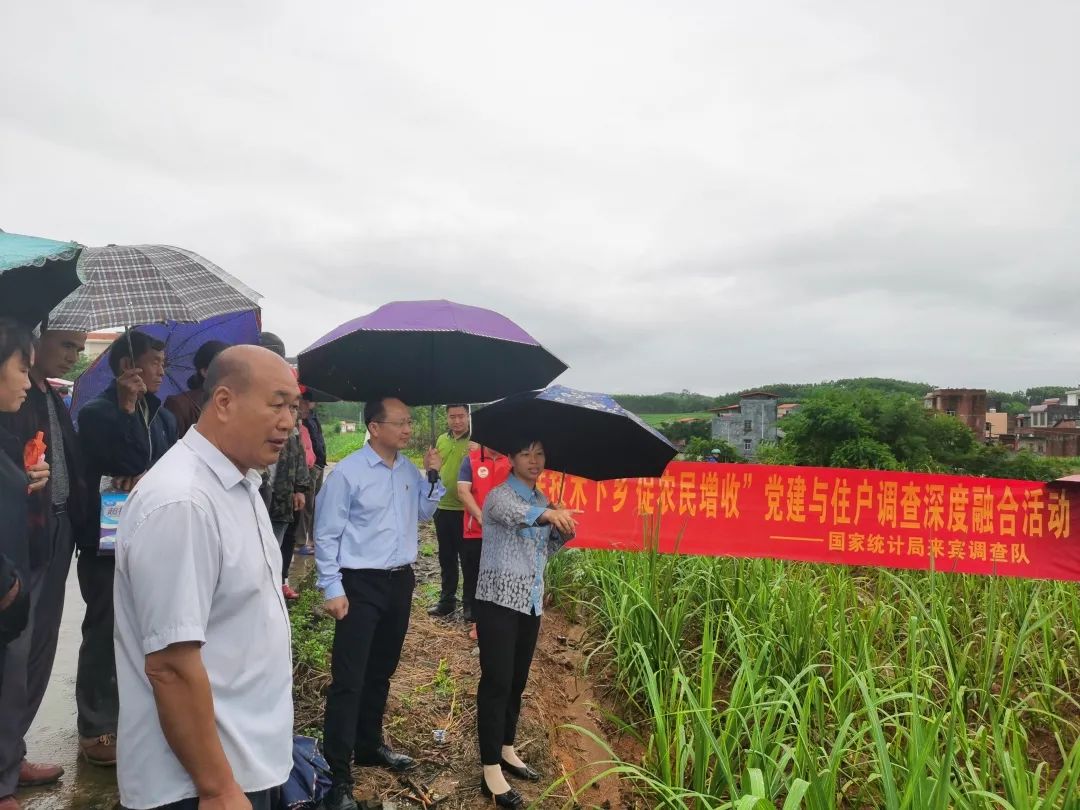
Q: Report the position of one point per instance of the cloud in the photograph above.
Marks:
(676, 195)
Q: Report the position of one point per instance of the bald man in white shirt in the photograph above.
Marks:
(203, 648)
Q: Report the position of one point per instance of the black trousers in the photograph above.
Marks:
(263, 800)
(507, 641)
(470, 570)
(288, 546)
(367, 648)
(95, 681)
(449, 528)
(30, 657)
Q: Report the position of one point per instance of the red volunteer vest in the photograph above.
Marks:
(487, 473)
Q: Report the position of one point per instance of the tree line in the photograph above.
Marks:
(689, 402)
(868, 428)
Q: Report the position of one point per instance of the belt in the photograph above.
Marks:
(381, 572)
(59, 508)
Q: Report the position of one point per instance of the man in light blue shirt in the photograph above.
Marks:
(365, 544)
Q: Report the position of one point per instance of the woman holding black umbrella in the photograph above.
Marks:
(521, 529)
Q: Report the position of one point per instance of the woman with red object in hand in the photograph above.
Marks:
(16, 479)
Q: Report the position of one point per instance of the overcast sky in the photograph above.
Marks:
(668, 195)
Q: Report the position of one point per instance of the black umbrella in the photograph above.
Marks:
(428, 353)
(315, 395)
(588, 435)
(35, 275)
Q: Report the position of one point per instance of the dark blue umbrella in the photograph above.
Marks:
(181, 341)
(35, 275)
(309, 781)
(584, 434)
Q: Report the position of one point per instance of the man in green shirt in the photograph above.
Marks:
(453, 447)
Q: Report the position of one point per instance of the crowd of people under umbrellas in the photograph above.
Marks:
(184, 678)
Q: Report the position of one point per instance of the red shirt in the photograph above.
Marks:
(487, 473)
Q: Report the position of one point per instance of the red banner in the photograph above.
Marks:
(847, 517)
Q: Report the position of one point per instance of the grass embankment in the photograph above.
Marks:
(658, 419)
(758, 684)
(339, 445)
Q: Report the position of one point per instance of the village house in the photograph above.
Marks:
(997, 424)
(746, 425)
(966, 404)
(1053, 410)
(1061, 442)
(97, 343)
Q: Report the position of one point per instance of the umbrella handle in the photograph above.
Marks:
(432, 475)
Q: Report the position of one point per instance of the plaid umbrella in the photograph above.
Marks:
(126, 285)
(35, 275)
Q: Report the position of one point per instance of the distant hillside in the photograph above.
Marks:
(689, 402)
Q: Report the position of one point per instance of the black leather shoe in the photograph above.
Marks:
(442, 609)
(386, 758)
(340, 797)
(521, 773)
(467, 614)
(509, 799)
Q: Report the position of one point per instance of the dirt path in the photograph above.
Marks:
(435, 688)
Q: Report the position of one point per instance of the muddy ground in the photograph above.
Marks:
(435, 688)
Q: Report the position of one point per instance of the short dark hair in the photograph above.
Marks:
(457, 405)
(375, 410)
(132, 345)
(268, 340)
(522, 443)
(15, 338)
(202, 359)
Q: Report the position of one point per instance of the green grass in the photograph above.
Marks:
(1073, 463)
(339, 445)
(764, 684)
(658, 419)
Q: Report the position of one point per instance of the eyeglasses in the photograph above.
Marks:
(399, 424)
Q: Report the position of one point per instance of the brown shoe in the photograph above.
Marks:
(99, 750)
(33, 775)
(10, 803)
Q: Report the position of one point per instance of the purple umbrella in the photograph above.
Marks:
(428, 353)
(181, 340)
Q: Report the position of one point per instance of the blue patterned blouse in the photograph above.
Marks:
(516, 549)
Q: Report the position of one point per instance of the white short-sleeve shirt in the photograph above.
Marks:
(196, 560)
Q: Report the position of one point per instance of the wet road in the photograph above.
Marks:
(53, 737)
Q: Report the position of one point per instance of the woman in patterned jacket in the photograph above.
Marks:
(521, 529)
